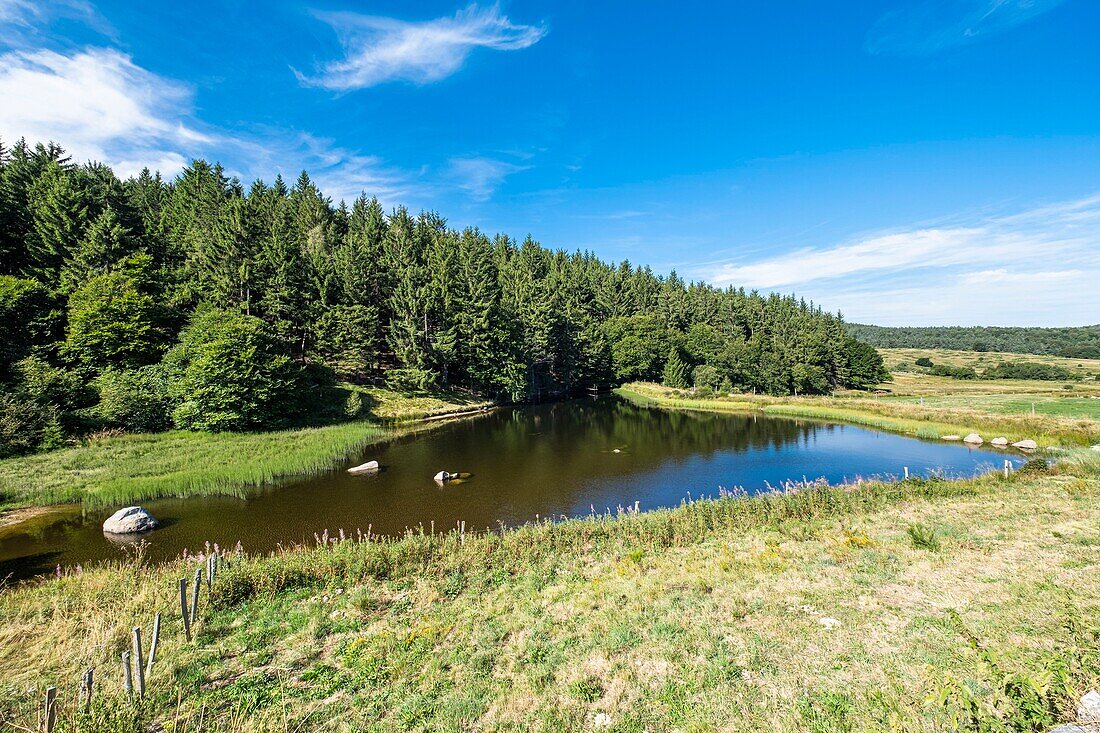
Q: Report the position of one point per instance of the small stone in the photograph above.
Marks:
(131, 520)
(1096, 448)
(602, 720)
(368, 467)
(952, 437)
(828, 622)
(999, 442)
(1025, 444)
(973, 439)
(1088, 710)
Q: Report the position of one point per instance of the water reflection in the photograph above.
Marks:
(546, 460)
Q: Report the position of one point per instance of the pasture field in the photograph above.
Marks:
(981, 359)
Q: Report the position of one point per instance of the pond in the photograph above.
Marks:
(554, 460)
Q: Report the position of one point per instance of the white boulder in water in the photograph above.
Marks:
(951, 437)
(1025, 444)
(367, 467)
(131, 520)
(973, 439)
(999, 442)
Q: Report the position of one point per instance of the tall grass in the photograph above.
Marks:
(87, 615)
(129, 468)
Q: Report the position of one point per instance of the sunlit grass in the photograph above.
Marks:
(121, 469)
(129, 468)
(979, 360)
(905, 417)
(809, 610)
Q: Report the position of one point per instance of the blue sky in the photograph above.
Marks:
(907, 163)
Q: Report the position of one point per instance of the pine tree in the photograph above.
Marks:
(58, 218)
(407, 334)
(191, 221)
(228, 261)
(676, 371)
(104, 243)
(280, 264)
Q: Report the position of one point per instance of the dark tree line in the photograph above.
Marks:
(1076, 342)
(198, 302)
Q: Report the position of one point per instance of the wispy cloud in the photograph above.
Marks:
(379, 50)
(927, 26)
(1037, 266)
(480, 177)
(21, 21)
(100, 105)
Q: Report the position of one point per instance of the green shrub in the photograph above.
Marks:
(923, 537)
(1030, 370)
(588, 689)
(113, 323)
(924, 362)
(22, 424)
(411, 379)
(955, 372)
(27, 319)
(229, 372)
(353, 406)
(135, 400)
(705, 375)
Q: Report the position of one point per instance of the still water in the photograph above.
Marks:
(561, 459)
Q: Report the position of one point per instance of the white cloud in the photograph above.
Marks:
(1040, 266)
(1055, 298)
(480, 177)
(939, 247)
(341, 173)
(926, 26)
(98, 104)
(380, 49)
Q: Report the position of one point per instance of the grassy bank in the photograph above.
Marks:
(905, 417)
(923, 605)
(121, 469)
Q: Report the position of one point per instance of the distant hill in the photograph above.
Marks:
(1078, 342)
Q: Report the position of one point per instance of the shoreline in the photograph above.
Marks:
(781, 575)
(132, 468)
(903, 418)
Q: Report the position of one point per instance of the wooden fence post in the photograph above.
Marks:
(127, 679)
(50, 717)
(153, 645)
(86, 691)
(183, 609)
(139, 665)
(195, 594)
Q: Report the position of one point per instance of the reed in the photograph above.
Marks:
(124, 469)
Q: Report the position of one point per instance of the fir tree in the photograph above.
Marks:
(676, 371)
